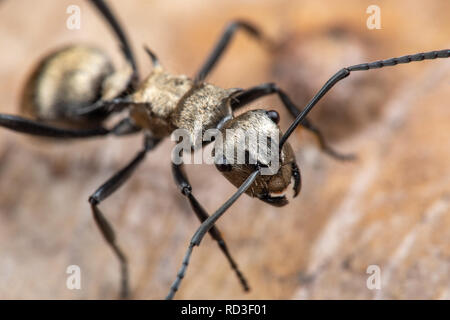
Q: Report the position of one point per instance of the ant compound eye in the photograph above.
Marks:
(273, 115)
(223, 166)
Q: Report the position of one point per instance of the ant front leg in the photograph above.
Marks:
(247, 96)
(204, 228)
(186, 189)
(103, 192)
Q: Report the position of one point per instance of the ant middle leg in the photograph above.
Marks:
(103, 192)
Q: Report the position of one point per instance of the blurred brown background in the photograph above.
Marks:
(389, 208)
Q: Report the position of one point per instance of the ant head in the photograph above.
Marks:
(249, 142)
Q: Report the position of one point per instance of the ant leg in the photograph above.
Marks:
(110, 106)
(133, 78)
(37, 128)
(124, 127)
(205, 227)
(109, 16)
(324, 145)
(345, 72)
(103, 192)
(257, 92)
(222, 44)
(186, 189)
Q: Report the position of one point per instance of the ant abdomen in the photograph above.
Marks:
(64, 81)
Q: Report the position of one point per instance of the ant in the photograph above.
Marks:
(75, 89)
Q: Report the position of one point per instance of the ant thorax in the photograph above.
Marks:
(166, 102)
